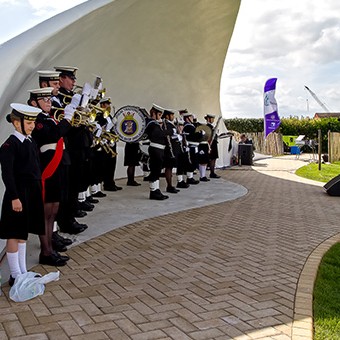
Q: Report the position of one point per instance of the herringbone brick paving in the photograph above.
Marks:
(226, 271)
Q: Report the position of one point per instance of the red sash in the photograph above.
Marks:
(52, 165)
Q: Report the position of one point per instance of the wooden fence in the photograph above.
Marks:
(273, 145)
(333, 146)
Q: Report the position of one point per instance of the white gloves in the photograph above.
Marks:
(75, 101)
(69, 112)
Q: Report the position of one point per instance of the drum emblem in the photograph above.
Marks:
(130, 123)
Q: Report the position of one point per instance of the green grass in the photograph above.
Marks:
(326, 303)
(327, 172)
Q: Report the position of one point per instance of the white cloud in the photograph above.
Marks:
(295, 41)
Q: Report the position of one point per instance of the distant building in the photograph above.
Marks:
(326, 115)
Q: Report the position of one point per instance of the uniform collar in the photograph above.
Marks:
(19, 135)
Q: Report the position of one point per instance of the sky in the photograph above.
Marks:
(296, 41)
(17, 16)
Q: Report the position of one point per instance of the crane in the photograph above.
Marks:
(323, 105)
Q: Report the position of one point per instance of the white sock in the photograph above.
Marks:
(190, 175)
(179, 178)
(99, 187)
(81, 196)
(203, 170)
(154, 185)
(55, 226)
(87, 193)
(13, 264)
(22, 257)
(94, 188)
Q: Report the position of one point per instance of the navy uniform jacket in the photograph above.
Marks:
(22, 178)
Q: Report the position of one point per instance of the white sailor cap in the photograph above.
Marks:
(25, 111)
(69, 71)
(209, 115)
(41, 92)
(187, 114)
(48, 75)
(157, 108)
(105, 100)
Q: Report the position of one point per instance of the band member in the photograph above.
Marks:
(213, 154)
(48, 78)
(183, 155)
(171, 151)
(157, 134)
(110, 162)
(49, 138)
(132, 156)
(75, 139)
(203, 158)
(22, 206)
(192, 138)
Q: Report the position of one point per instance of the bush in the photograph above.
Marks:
(289, 126)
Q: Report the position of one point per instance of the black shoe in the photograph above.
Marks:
(51, 260)
(133, 183)
(192, 181)
(213, 175)
(62, 257)
(182, 185)
(157, 195)
(80, 213)
(92, 200)
(11, 280)
(73, 228)
(118, 188)
(58, 246)
(99, 194)
(204, 179)
(172, 190)
(146, 179)
(110, 188)
(65, 241)
(85, 206)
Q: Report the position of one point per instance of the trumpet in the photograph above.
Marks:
(106, 141)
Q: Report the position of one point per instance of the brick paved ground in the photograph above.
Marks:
(226, 271)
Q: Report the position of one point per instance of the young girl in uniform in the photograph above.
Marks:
(22, 207)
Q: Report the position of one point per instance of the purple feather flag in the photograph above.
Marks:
(271, 116)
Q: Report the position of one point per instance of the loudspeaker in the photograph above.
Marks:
(333, 186)
(245, 154)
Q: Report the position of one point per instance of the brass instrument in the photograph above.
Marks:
(79, 117)
(105, 139)
(106, 112)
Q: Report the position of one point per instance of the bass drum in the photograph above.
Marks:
(130, 123)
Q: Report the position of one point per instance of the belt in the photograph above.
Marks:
(204, 143)
(193, 144)
(51, 146)
(157, 146)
